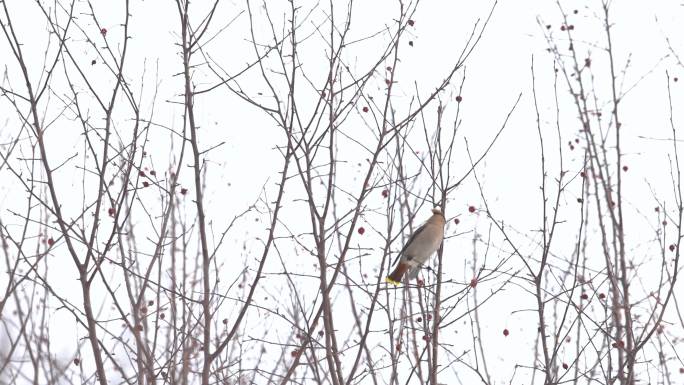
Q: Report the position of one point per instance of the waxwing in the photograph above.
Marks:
(420, 246)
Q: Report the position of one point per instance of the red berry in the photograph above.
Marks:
(294, 353)
(153, 173)
(420, 282)
(77, 361)
(398, 347)
(385, 193)
(657, 209)
(141, 173)
(365, 109)
(562, 28)
(411, 22)
(411, 43)
(184, 191)
(426, 338)
(387, 81)
(473, 282)
(321, 333)
(103, 31)
(672, 247)
(459, 98)
(625, 168)
(93, 62)
(565, 366)
(584, 296)
(676, 79)
(602, 296)
(419, 319)
(681, 370)
(111, 211)
(361, 230)
(428, 317)
(471, 209)
(50, 242)
(505, 332)
(456, 221)
(145, 184)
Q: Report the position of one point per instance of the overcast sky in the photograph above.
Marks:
(644, 36)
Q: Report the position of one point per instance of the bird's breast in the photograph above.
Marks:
(425, 243)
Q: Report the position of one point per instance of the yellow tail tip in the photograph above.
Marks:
(390, 280)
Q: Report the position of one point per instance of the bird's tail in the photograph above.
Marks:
(396, 276)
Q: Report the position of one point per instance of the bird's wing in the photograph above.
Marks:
(411, 238)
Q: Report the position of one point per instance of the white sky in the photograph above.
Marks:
(496, 73)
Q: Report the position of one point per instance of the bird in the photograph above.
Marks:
(419, 247)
